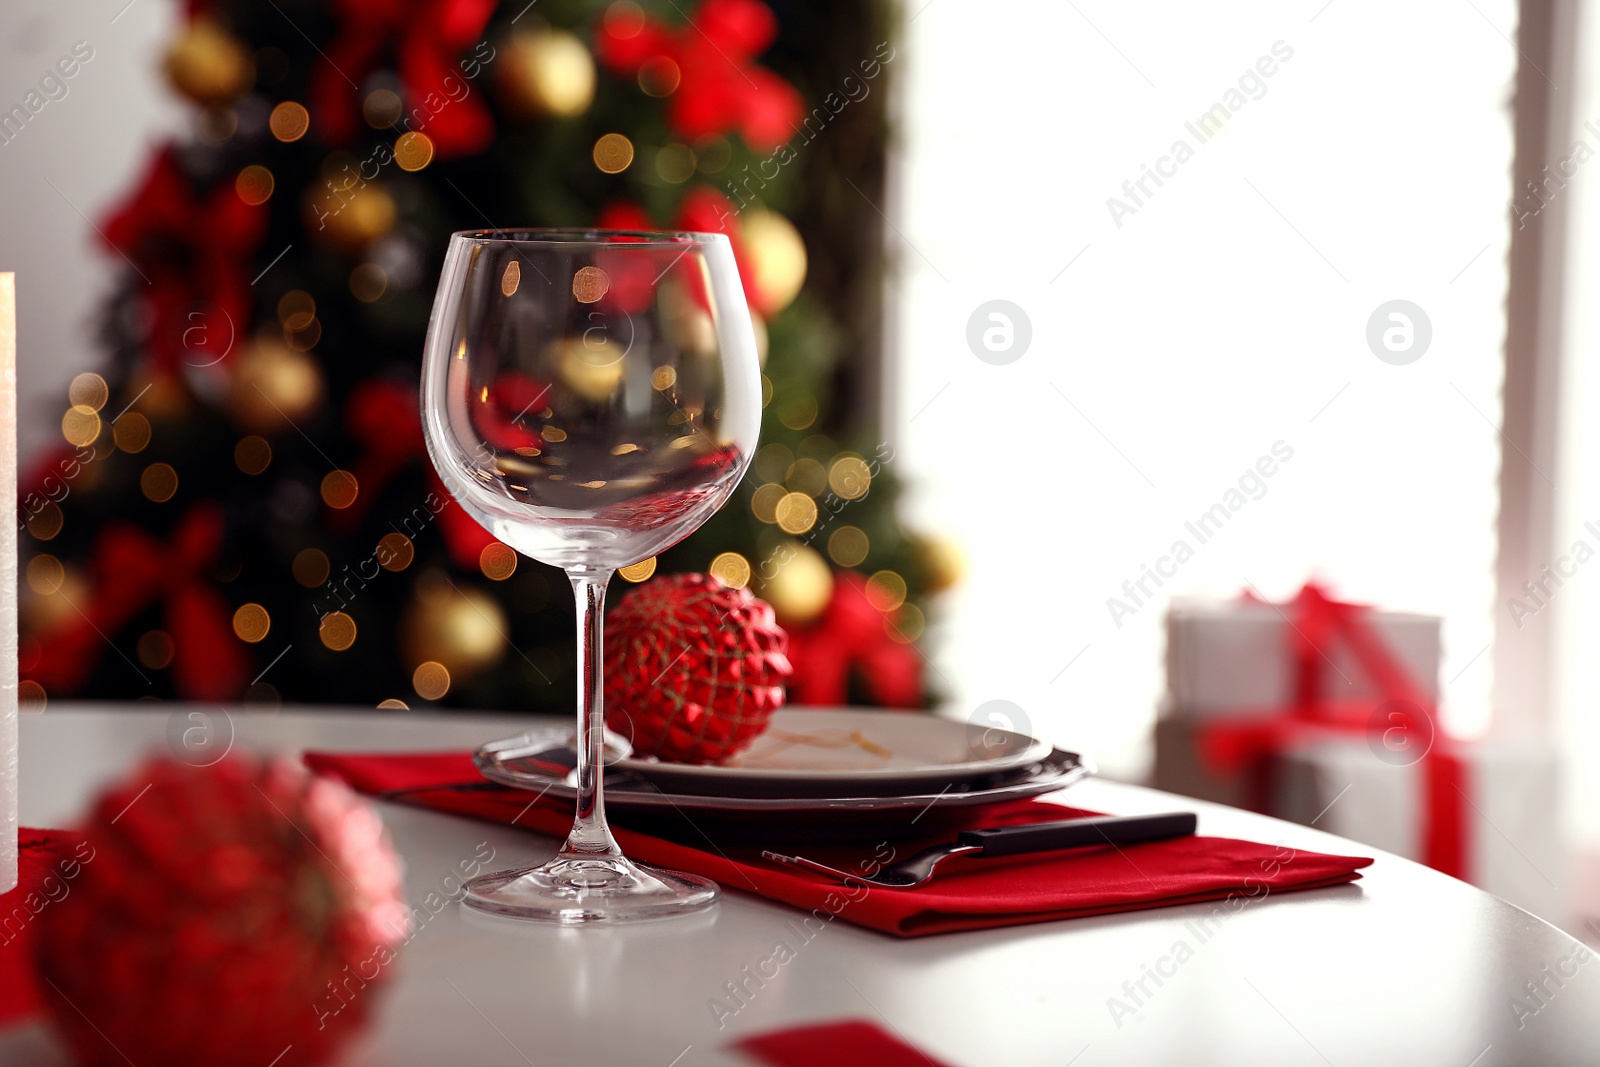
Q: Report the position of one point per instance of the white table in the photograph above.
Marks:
(1405, 967)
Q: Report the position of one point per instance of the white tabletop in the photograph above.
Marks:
(1406, 966)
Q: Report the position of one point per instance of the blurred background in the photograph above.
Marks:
(1039, 287)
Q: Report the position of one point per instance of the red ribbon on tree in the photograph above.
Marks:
(131, 570)
(851, 640)
(1403, 715)
(428, 39)
(193, 250)
(720, 87)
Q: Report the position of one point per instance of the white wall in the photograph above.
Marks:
(73, 160)
(1228, 313)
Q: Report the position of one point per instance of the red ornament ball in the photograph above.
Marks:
(694, 668)
(235, 913)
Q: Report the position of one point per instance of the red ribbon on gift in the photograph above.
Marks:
(131, 571)
(1402, 715)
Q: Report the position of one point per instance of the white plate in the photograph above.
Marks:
(851, 752)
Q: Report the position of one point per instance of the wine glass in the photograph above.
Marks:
(590, 397)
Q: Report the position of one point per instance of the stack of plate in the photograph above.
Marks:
(816, 773)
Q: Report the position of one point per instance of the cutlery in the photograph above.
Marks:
(1011, 841)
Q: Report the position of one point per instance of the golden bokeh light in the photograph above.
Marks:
(663, 378)
(88, 390)
(511, 279)
(497, 561)
(773, 461)
(796, 513)
(339, 489)
(252, 454)
(131, 432)
(395, 552)
(155, 649)
(886, 590)
(368, 283)
(848, 546)
(310, 567)
(305, 339)
(251, 623)
(675, 164)
(764, 502)
(413, 151)
(159, 482)
(254, 184)
(613, 153)
(431, 680)
(80, 425)
(338, 631)
(46, 522)
(589, 284)
(798, 411)
(659, 76)
(850, 477)
(45, 574)
(381, 108)
(31, 695)
(638, 572)
(289, 121)
(806, 476)
(731, 569)
(906, 625)
(393, 705)
(296, 309)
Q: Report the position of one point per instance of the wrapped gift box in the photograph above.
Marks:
(1228, 656)
(1492, 812)
(1510, 792)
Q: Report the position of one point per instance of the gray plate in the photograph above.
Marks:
(542, 761)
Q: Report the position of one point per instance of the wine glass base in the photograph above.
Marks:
(573, 890)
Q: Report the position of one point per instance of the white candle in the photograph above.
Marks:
(8, 583)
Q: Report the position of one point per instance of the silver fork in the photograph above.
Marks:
(1113, 830)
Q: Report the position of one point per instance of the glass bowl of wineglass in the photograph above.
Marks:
(590, 397)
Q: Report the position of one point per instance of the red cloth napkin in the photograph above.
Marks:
(967, 893)
(42, 854)
(851, 1043)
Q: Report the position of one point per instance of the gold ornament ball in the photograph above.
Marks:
(777, 257)
(350, 218)
(463, 632)
(800, 586)
(273, 386)
(547, 72)
(940, 561)
(208, 65)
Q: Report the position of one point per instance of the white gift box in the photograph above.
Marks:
(1510, 809)
(1233, 656)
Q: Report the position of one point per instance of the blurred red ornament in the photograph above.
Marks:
(694, 668)
(851, 643)
(233, 913)
(721, 89)
(192, 249)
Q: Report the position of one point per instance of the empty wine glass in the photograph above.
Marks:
(591, 397)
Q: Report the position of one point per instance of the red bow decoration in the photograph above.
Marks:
(851, 638)
(131, 570)
(1403, 715)
(428, 39)
(192, 249)
(721, 89)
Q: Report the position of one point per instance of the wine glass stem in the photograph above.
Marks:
(590, 835)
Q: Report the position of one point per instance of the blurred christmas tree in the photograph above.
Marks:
(244, 509)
